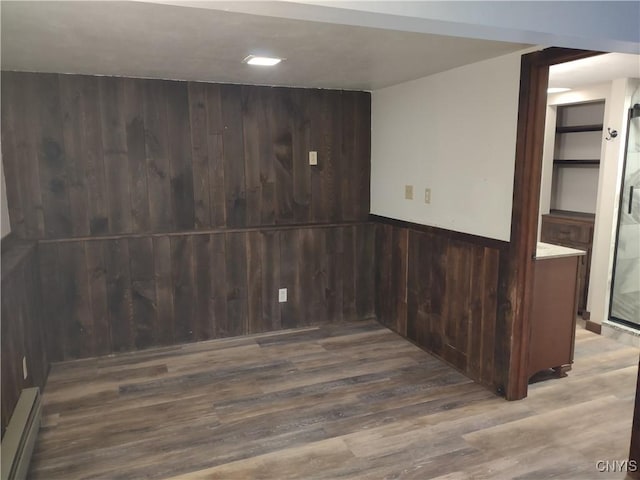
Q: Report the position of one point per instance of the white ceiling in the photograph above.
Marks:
(594, 70)
(182, 42)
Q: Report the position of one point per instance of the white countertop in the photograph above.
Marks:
(545, 251)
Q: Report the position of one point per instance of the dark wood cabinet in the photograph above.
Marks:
(553, 314)
(574, 230)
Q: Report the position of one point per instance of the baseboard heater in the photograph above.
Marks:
(20, 435)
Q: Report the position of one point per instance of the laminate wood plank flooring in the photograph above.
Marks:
(350, 400)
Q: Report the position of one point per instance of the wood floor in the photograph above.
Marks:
(341, 401)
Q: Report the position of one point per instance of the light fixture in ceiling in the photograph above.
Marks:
(557, 89)
(262, 61)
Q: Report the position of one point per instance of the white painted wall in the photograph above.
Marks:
(455, 133)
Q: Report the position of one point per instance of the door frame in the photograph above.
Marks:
(517, 272)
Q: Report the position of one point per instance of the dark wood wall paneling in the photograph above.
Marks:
(90, 156)
(439, 289)
(133, 292)
(22, 325)
(170, 212)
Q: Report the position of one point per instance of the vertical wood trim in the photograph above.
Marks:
(215, 128)
(218, 269)
(97, 272)
(236, 285)
(164, 291)
(204, 314)
(119, 295)
(516, 282)
(161, 213)
(271, 280)
(43, 110)
(72, 114)
(200, 155)
(116, 158)
(254, 282)
(234, 173)
(137, 155)
(180, 159)
(143, 291)
(183, 288)
(94, 157)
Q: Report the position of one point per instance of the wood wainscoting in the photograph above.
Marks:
(439, 289)
(22, 324)
(124, 293)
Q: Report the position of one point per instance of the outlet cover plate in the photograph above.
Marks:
(313, 158)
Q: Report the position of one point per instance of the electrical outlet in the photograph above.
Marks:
(25, 372)
(313, 158)
(408, 192)
(427, 195)
(282, 295)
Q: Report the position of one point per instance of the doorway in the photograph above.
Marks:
(519, 267)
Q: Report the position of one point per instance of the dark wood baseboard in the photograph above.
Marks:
(593, 327)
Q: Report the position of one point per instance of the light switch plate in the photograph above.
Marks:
(427, 195)
(408, 192)
(282, 295)
(313, 158)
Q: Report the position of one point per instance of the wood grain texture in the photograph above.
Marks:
(125, 293)
(23, 329)
(441, 293)
(349, 400)
(104, 155)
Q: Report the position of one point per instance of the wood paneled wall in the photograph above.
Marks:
(133, 292)
(439, 289)
(22, 324)
(169, 212)
(88, 155)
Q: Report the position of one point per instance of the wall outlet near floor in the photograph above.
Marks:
(408, 192)
(427, 195)
(313, 158)
(282, 295)
(25, 372)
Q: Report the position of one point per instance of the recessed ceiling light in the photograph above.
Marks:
(262, 61)
(557, 89)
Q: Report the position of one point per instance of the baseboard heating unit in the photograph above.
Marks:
(20, 436)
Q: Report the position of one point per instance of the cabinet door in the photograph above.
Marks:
(553, 314)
